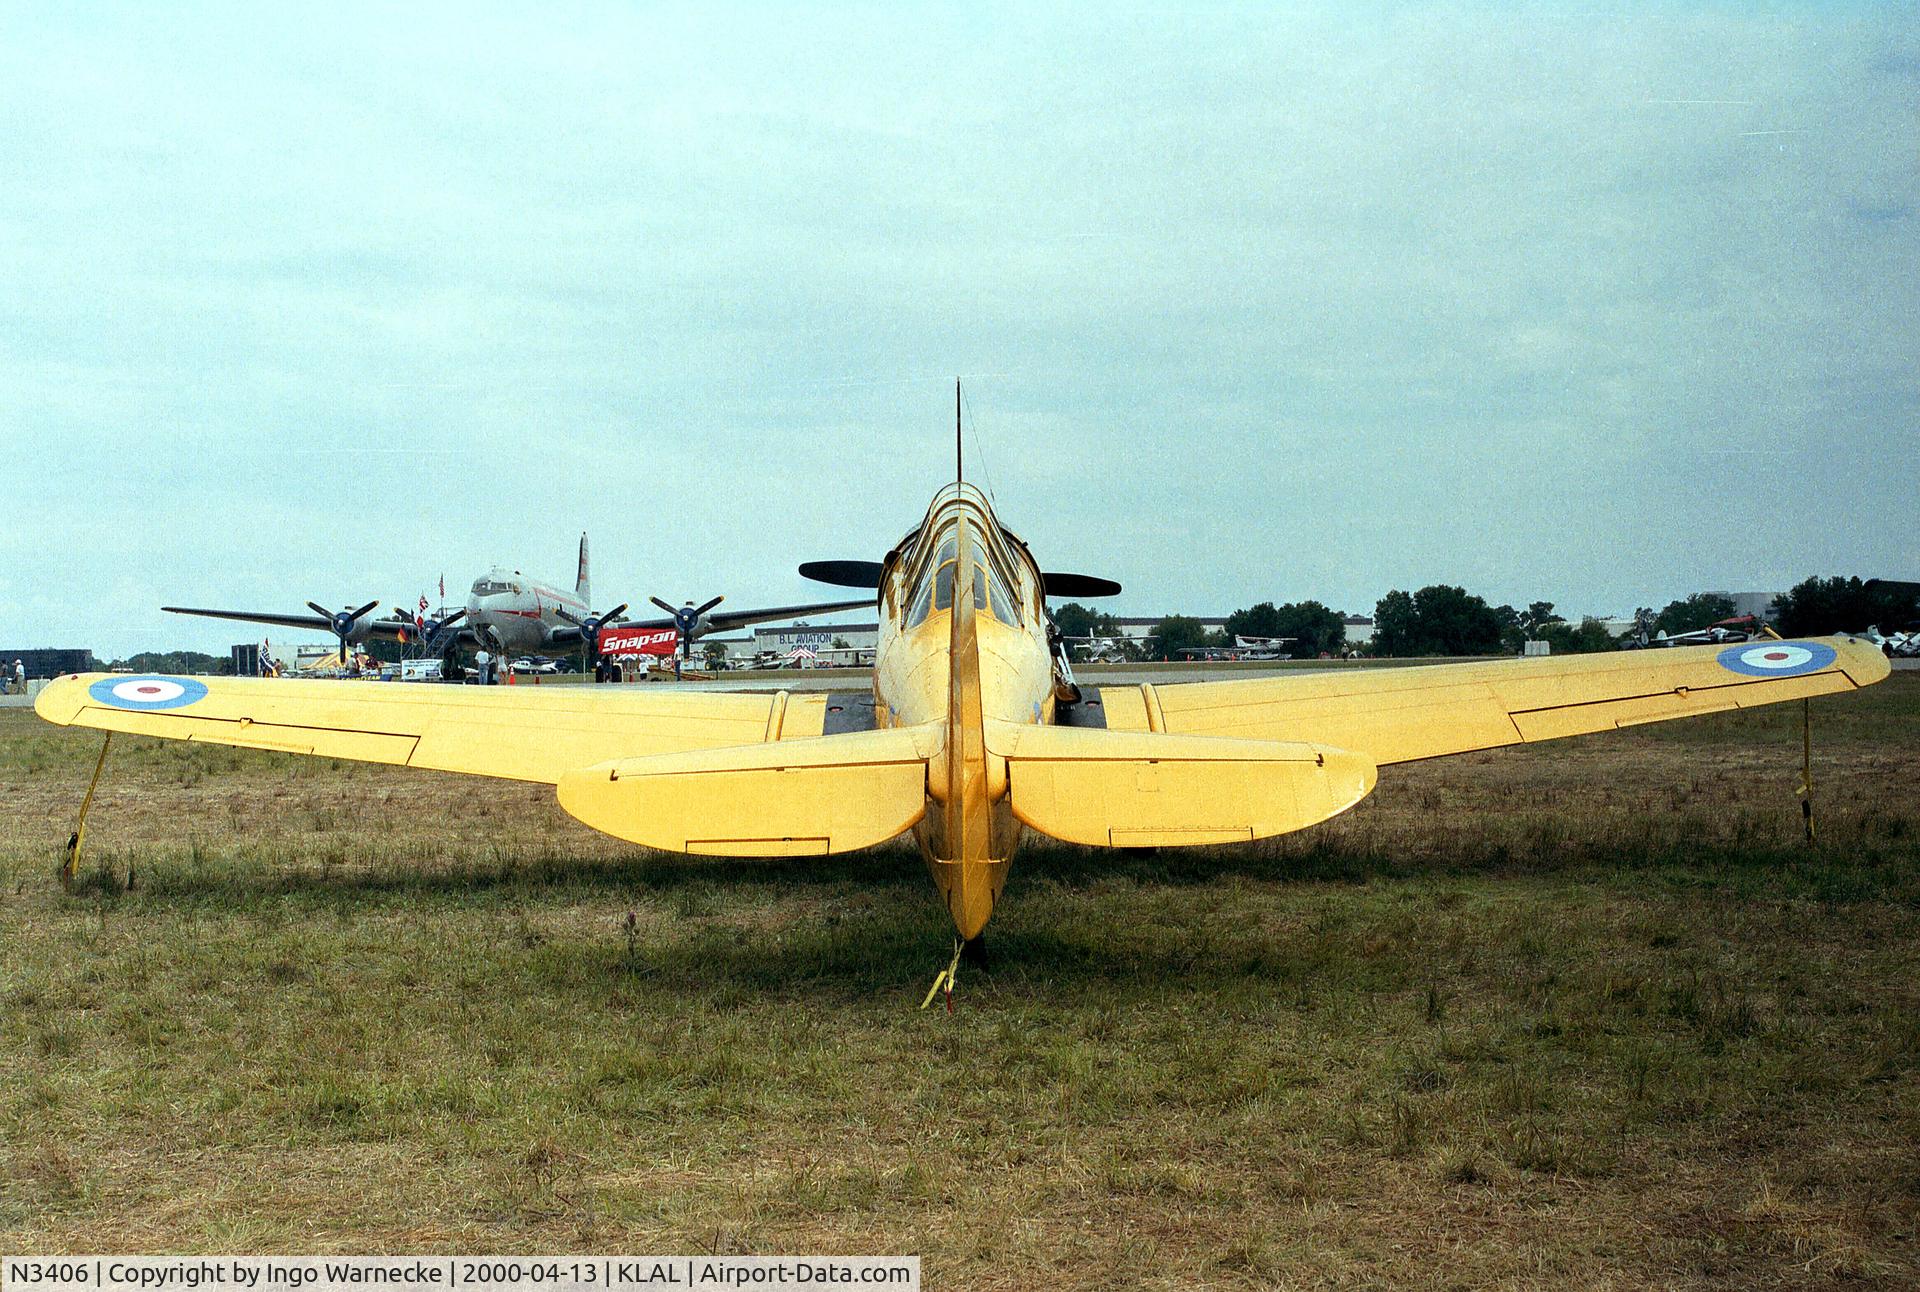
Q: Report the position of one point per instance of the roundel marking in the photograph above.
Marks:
(150, 691)
(1776, 659)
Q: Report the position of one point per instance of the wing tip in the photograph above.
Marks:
(1862, 661)
(61, 700)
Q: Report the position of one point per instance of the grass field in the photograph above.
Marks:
(1581, 1015)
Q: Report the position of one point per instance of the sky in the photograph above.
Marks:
(1600, 306)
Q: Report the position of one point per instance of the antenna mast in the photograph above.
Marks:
(958, 474)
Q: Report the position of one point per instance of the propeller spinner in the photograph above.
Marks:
(590, 628)
(428, 627)
(686, 620)
(343, 622)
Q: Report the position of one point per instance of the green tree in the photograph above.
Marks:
(1177, 633)
(1818, 606)
(1588, 636)
(1315, 629)
(1395, 625)
(1518, 627)
(1073, 620)
(1452, 621)
(1512, 635)
(1538, 615)
(1437, 620)
(1693, 614)
(187, 662)
(1262, 620)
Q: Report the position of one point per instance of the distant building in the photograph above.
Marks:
(1761, 604)
(48, 661)
(1136, 628)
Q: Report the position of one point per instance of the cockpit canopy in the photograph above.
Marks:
(992, 586)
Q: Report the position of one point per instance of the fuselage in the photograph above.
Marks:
(514, 614)
(963, 640)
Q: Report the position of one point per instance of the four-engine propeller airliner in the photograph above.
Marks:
(514, 614)
(973, 731)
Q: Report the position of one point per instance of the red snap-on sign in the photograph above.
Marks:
(638, 641)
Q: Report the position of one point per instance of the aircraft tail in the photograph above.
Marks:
(582, 584)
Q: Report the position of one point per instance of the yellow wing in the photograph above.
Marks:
(522, 733)
(1395, 715)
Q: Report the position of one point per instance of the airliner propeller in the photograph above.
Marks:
(686, 620)
(343, 622)
(590, 628)
(428, 627)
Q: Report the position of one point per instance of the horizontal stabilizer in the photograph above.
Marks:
(1147, 789)
(783, 799)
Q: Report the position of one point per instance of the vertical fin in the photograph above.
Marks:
(582, 584)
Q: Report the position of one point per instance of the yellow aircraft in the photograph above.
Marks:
(973, 732)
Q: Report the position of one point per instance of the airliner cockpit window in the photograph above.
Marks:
(489, 588)
(943, 587)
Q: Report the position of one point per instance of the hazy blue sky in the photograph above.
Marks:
(1601, 306)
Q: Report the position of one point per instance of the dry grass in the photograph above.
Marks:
(1580, 1015)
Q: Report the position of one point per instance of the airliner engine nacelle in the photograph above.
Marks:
(347, 625)
(689, 621)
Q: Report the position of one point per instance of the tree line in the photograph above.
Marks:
(1443, 619)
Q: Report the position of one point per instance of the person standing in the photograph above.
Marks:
(483, 665)
(19, 678)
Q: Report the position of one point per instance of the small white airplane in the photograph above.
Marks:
(1906, 645)
(513, 614)
(1263, 647)
(1738, 629)
(1099, 649)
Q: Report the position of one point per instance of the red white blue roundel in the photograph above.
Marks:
(149, 691)
(1776, 659)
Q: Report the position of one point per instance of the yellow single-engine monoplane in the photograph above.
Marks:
(974, 729)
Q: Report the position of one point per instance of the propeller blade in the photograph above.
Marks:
(363, 609)
(320, 610)
(710, 605)
(613, 615)
(1078, 585)
(577, 623)
(461, 613)
(845, 574)
(664, 606)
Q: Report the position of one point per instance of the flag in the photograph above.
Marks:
(423, 602)
(443, 588)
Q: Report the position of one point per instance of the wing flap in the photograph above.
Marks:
(792, 798)
(1400, 714)
(1140, 789)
